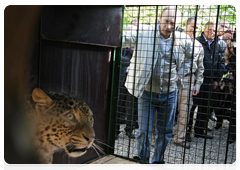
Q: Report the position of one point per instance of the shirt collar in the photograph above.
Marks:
(207, 39)
(226, 41)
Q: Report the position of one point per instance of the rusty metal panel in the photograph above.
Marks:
(80, 71)
(99, 25)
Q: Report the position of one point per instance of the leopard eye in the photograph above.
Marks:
(90, 118)
(70, 116)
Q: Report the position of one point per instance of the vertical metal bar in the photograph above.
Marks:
(166, 112)
(229, 129)
(133, 98)
(210, 92)
(189, 92)
(231, 113)
(113, 105)
(136, 48)
(150, 101)
(114, 93)
(135, 64)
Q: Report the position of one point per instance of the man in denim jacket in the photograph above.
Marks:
(156, 66)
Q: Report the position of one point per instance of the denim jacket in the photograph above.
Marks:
(140, 69)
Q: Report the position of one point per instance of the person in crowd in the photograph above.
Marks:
(232, 64)
(224, 35)
(224, 32)
(192, 81)
(212, 65)
(125, 99)
(223, 44)
(226, 105)
(223, 26)
(227, 35)
(156, 67)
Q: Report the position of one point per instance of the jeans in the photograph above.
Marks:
(164, 123)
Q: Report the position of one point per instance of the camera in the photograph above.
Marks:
(228, 31)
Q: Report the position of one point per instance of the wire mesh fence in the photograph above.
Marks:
(177, 85)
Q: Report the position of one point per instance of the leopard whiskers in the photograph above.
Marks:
(70, 146)
(95, 146)
(95, 150)
(97, 140)
(99, 148)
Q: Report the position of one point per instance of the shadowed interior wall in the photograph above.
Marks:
(76, 52)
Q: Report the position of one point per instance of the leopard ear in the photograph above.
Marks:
(43, 102)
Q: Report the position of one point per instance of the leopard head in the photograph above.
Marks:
(62, 122)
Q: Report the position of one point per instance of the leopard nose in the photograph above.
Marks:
(89, 139)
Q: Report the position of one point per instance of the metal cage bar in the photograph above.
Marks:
(202, 150)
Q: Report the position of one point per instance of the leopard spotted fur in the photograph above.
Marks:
(61, 122)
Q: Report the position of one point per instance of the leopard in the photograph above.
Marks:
(60, 122)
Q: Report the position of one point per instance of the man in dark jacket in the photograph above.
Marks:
(125, 99)
(212, 75)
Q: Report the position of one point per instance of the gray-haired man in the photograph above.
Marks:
(152, 78)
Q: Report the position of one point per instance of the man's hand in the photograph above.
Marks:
(195, 92)
(215, 84)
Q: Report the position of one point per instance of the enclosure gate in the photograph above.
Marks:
(217, 146)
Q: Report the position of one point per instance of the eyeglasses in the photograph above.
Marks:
(224, 26)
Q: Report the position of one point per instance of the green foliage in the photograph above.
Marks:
(148, 14)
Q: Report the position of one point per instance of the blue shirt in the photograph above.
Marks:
(165, 46)
(209, 43)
